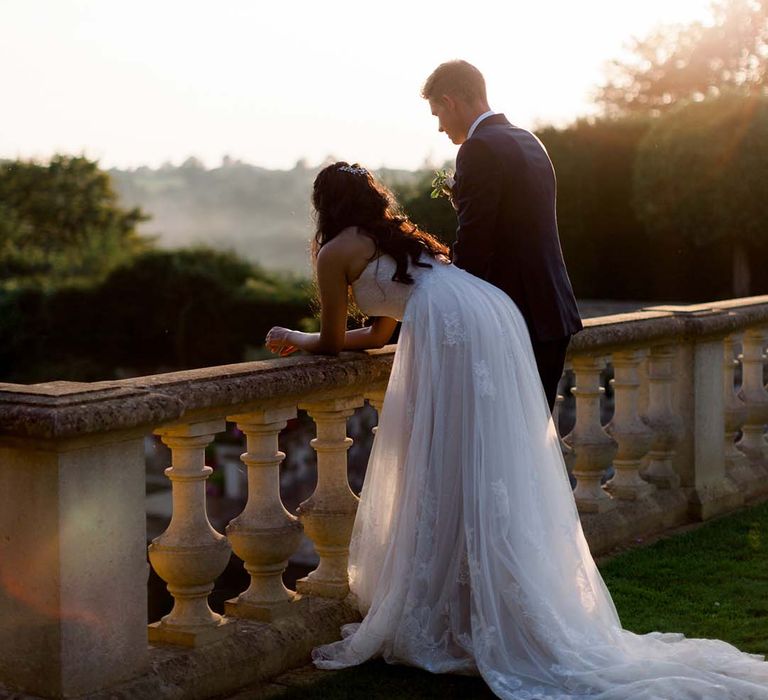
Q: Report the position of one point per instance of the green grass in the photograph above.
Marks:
(709, 582)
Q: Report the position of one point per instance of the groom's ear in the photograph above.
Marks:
(447, 102)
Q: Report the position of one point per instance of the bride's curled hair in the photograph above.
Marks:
(347, 195)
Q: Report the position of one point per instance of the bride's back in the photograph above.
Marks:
(377, 294)
(369, 273)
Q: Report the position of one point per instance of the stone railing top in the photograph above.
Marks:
(59, 410)
(657, 324)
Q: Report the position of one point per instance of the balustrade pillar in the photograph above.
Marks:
(736, 462)
(565, 448)
(665, 424)
(593, 448)
(265, 534)
(190, 554)
(73, 565)
(376, 399)
(754, 395)
(329, 513)
(628, 429)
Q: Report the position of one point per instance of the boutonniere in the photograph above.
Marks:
(442, 184)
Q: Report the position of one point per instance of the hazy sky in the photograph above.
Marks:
(147, 81)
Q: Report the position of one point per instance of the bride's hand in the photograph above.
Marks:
(277, 341)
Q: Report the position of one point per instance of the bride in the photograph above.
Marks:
(467, 554)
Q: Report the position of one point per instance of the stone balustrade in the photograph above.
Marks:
(682, 443)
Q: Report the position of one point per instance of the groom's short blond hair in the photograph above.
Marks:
(457, 79)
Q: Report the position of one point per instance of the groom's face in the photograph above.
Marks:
(449, 120)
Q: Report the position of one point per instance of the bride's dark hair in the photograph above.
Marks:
(347, 195)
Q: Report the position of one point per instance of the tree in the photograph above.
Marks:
(603, 240)
(162, 310)
(435, 216)
(194, 307)
(61, 223)
(677, 63)
(700, 175)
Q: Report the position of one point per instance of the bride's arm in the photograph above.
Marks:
(333, 336)
(373, 336)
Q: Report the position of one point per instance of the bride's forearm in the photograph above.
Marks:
(357, 339)
(305, 341)
(362, 339)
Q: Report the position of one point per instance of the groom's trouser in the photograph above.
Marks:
(550, 359)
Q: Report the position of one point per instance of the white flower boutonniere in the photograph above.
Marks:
(442, 184)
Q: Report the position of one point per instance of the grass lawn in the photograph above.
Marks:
(708, 582)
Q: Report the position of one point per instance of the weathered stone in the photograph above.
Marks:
(665, 423)
(264, 535)
(329, 513)
(754, 396)
(255, 652)
(632, 435)
(190, 554)
(593, 448)
(737, 466)
(699, 401)
(73, 571)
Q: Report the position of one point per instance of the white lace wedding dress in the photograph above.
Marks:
(467, 553)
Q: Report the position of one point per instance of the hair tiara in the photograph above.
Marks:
(353, 170)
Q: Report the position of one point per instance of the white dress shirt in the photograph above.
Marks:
(477, 121)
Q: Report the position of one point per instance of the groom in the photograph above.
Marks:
(505, 199)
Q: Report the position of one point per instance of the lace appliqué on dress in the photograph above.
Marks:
(585, 588)
(464, 578)
(453, 329)
(482, 375)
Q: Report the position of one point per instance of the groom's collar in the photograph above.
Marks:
(495, 119)
(477, 121)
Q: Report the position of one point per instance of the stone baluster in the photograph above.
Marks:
(376, 399)
(593, 448)
(628, 429)
(665, 424)
(754, 395)
(565, 448)
(736, 462)
(264, 535)
(329, 513)
(559, 401)
(190, 554)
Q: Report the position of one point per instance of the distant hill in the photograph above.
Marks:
(263, 215)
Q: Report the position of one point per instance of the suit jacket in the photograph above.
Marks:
(505, 197)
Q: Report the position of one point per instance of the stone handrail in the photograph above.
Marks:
(57, 410)
(72, 480)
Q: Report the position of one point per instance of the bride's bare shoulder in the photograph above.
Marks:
(352, 240)
(349, 250)
(355, 240)
(349, 244)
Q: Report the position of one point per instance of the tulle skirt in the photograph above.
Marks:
(467, 554)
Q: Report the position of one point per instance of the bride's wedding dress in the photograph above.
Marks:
(467, 553)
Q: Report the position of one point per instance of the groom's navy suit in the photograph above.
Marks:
(505, 198)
